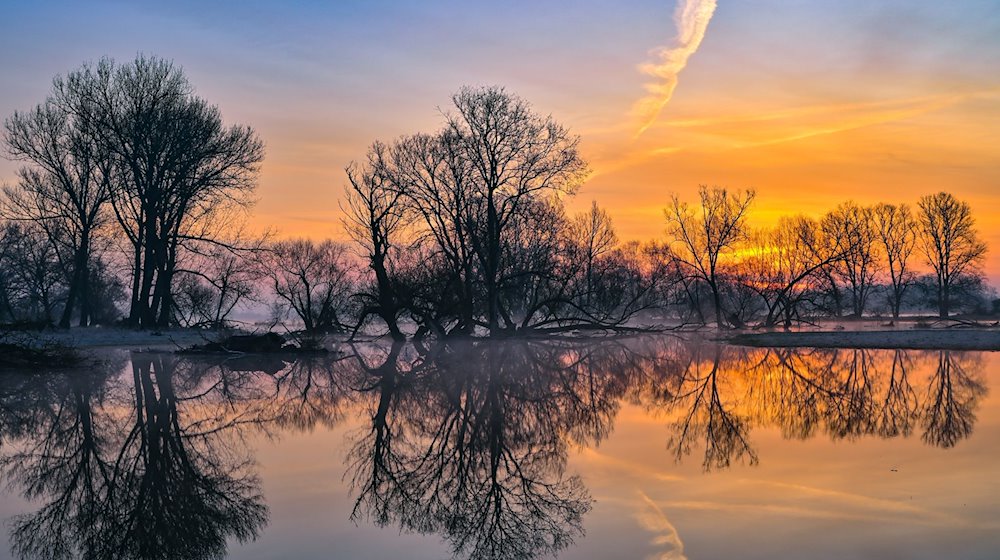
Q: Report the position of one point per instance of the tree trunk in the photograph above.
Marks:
(492, 263)
(74, 289)
(943, 300)
(717, 300)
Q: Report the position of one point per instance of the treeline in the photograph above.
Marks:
(132, 194)
(465, 230)
(854, 260)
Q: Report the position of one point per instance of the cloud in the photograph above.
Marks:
(921, 104)
(634, 468)
(722, 133)
(691, 18)
(652, 518)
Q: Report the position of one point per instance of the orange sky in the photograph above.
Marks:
(810, 103)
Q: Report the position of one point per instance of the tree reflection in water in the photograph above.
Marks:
(125, 474)
(470, 442)
(846, 393)
(952, 396)
(466, 440)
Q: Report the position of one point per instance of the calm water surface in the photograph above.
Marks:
(643, 448)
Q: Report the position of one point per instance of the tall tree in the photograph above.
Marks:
(374, 217)
(950, 243)
(515, 155)
(479, 200)
(705, 235)
(66, 185)
(433, 174)
(179, 170)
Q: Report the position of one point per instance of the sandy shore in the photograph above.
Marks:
(917, 339)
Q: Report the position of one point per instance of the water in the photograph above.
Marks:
(641, 448)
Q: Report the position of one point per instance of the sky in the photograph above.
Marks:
(811, 103)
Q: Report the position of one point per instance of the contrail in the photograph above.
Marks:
(691, 18)
(653, 519)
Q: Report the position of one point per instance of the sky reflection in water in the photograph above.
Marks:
(648, 447)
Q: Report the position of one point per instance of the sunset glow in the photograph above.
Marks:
(810, 103)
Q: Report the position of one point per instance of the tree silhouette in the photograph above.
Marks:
(146, 484)
(950, 243)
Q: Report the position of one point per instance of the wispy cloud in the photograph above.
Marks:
(922, 103)
(691, 18)
(723, 133)
(652, 518)
(631, 467)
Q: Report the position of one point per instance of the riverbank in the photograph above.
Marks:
(987, 339)
(103, 337)
(857, 335)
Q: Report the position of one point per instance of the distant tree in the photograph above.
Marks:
(968, 293)
(31, 281)
(593, 235)
(706, 235)
(313, 280)
(783, 265)
(852, 231)
(66, 185)
(213, 285)
(897, 233)
(950, 243)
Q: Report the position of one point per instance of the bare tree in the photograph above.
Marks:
(514, 155)
(594, 236)
(477, 202)
(179, 171)
(783, 264)
(30, 279)
(706, 236)
(65, 188)
(212, 285)
(314, 280)
(433, 174)
(374, 217)
(897, 232)
(949, 241)
(853, 234)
